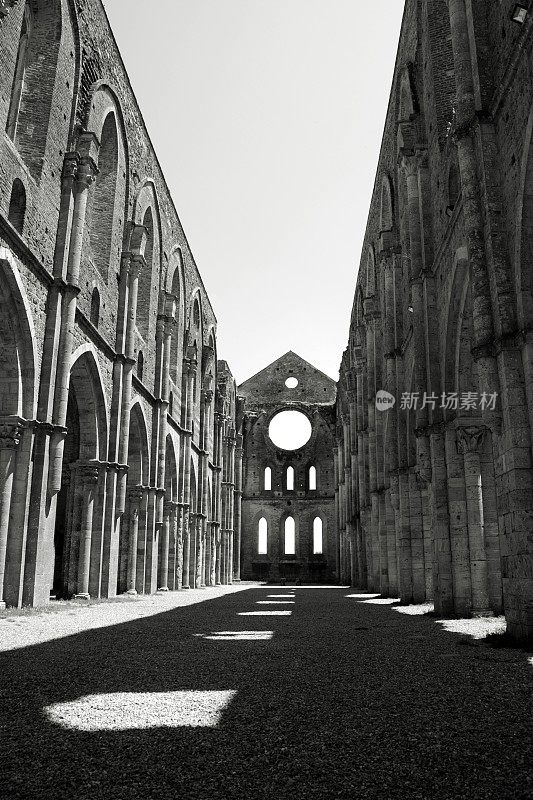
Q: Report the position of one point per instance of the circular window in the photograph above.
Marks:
(290, 430)
(291, 383)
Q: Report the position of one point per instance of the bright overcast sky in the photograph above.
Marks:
(267, 117)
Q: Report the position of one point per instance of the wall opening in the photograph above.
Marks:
(262, 538)
(290, 430)
(290, 537)
(318, 543)
(312, 479)
(95, 307)
(268, 479)
(140, 365)
(17, 205)
(290, 479)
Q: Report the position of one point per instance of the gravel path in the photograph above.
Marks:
(342, 698)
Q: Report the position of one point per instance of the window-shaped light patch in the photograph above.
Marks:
(312, 479)
(318, 544)
(268, 479)
(124, 711)
(262, 537)
(264, 613)
(290, 537)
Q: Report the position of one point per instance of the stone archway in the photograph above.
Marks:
(79, 500)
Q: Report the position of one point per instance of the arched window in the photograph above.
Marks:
(262, 538)
(317, 537)
(290, 479)
(290, 537)
(28, 119)
(140, 365)
(268, 479)
(17, 205)
(95, 307)
(145, 278)
(171, 404)
(385, 221)
(312, 479)
(370, 273)
(20, 74)
(103, 199)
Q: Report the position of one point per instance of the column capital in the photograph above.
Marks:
(470, 439)
(70, 167)
(87, 172)
(136, 494)
(89, 473)
(10, 434)
(410, 161)
(207, 396)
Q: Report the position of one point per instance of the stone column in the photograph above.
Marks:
(168, 510)
(237, 523)
(189, 367)
(469, 443)
(136, 496)
(85, 176)
(89, 476)
(10, 434)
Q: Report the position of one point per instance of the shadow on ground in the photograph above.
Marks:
(347, 700)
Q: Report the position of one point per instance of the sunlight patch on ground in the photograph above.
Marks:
(275, 602)
(293, 588)
(477, 627)
(362, 596)
(264, 613)
(281, 595)
(416, 610)
(123, 711)
(236, 636)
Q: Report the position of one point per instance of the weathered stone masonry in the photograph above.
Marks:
(438, 502)
(119, 433)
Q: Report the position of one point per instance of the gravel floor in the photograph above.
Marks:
(342, 698)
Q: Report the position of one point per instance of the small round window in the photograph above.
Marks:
(291, 383)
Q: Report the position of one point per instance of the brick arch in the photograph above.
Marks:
(138, 450)
(106, 211)
(34, 78)
(386, 211)
(171, 469)
(18, 354)
(523, 269)
(87, 387)
(175, 285)
(147, 214)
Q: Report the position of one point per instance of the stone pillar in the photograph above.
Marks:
(237, 522)
(168, 510)
(189, 366)
(135, 498)
(469, 443)
(85, 176)
(89, 476)
(10, 434)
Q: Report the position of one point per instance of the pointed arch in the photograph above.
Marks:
(171, 470)
(370, 273)
(318, 536)
(406, 99)
(86, 385)
(17, 205)
(34, 79)
(18, 352)
(147, 214)
(386, 207)
(262, 537)
(138, 449)
(289, 536)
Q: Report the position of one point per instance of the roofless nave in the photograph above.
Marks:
(130, 462)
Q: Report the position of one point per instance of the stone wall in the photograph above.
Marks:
(436, 497)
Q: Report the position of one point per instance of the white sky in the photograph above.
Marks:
(267, 117)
